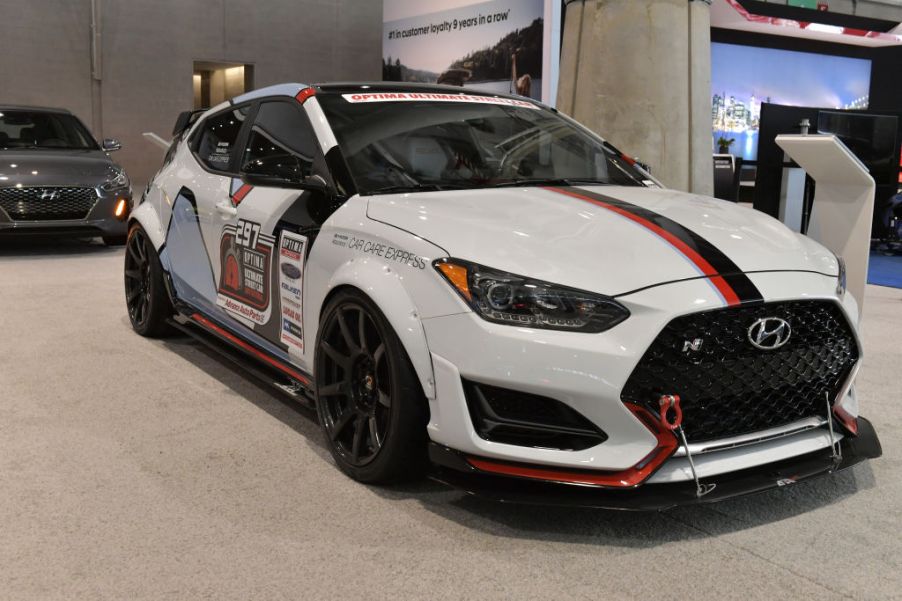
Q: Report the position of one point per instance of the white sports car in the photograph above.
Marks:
(477, 287)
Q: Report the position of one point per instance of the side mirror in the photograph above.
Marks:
(644, 166)
(111, 145)
(282, 171)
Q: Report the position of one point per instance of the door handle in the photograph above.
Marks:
(226, 209)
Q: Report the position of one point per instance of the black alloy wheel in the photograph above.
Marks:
(370, 403)
(145, 296)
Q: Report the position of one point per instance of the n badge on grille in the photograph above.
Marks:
(693, 346)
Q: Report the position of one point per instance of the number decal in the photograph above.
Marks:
(247, 233)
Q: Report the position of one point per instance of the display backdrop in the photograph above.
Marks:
(503, 46)
(744, 77)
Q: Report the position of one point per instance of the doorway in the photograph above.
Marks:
(217, 82)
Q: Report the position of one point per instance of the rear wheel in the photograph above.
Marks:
(370, 403)
(145, 293)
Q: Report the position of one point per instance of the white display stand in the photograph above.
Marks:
(843, 201)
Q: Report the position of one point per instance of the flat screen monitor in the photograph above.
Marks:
(872, 138)
(743, 77)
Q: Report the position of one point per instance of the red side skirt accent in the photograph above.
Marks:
(201, 320)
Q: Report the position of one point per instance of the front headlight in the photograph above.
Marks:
(510, 299)
(117, 179)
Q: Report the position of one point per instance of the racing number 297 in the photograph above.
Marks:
(247, 233)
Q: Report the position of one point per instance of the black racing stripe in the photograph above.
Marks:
(743, 286)
(745, 289)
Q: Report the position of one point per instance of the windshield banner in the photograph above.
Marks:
(433, 97)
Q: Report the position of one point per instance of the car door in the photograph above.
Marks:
(262, 251)
(201, 206)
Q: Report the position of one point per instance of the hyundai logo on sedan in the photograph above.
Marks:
(769, 333)
(48, 194)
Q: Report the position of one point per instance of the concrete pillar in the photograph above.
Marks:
(639, 73)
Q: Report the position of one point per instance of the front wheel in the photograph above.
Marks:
(370, 404)
(145, 294)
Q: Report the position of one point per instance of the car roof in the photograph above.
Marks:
(42, 109)
(345, 87)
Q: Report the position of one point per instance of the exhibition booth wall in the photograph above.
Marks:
(126, 67)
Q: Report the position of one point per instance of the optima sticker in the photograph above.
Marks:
(434, 97)
(292, 249)
(244, 274)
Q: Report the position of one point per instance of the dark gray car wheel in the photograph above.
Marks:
(370, 404)
(145, 293)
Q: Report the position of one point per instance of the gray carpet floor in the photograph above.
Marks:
(140, 469)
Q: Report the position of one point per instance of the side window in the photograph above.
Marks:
(216, 145)
(281, 129)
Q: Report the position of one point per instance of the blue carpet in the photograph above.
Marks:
(885, 271)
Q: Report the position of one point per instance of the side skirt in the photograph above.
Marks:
(286, 379)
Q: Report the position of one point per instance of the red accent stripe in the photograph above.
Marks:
(241, 193)
(690, 253)
(250, 349)
(846, 419)
(636, 475)
(304, 94)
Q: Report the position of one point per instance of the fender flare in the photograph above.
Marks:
(381, 283)
(150, 221)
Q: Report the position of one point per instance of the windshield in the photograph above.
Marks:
(42, 129)
(392, 146)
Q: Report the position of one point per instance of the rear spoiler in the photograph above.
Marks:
(185, 120)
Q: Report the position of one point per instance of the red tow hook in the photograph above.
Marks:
(668, 403)
(671, 415)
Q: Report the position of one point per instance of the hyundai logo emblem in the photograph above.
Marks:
(48, 194)
(769, 333)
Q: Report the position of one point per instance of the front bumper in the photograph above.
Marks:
(452, 468)
(100, 221)
(588, 373)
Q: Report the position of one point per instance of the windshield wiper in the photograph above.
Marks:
(547, 181)
(424, 187)
(407, 188)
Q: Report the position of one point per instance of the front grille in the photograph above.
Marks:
(728, 387)
(524, 419)
(47, 203)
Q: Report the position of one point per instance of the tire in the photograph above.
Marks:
(146, 298)
(371, 407)
(114, 240)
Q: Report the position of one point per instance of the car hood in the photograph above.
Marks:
(54, 167)
(560, 236)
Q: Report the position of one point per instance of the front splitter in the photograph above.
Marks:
(453, 470)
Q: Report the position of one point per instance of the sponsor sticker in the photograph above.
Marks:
(434, 97)
(245, 255)
(380, 249)
(292, 249)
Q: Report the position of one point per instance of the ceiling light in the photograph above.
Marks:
(820, 27)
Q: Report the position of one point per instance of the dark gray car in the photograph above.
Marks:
(56, 179)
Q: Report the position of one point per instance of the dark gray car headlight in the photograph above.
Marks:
(117, 180)
(502, 297)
